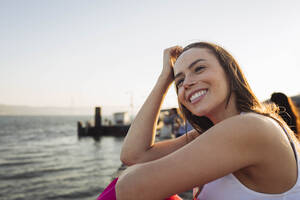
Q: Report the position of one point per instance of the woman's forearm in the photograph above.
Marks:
(141, 134)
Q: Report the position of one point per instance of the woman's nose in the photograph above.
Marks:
(188, 82)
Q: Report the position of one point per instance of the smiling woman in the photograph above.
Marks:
(236, 149)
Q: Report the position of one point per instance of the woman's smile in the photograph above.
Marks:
(197, 95)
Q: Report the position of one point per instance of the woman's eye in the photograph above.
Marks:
(179, 82)
(199, 68)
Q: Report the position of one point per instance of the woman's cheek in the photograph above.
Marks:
(180, 95)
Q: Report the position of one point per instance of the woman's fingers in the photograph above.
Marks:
(170, 55)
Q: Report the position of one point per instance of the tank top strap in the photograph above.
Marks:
(291, 142)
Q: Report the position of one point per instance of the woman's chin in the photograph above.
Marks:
(199, 113)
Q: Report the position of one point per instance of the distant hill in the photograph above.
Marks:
(30, 110)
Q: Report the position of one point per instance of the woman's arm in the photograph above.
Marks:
(139, 144)
(229, 146)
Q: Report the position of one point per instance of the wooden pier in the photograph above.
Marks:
(99, 130)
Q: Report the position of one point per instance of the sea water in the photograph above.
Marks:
(41, 157)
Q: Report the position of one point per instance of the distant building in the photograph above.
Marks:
(121, 118)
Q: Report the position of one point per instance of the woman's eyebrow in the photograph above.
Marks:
(190, 66)
(193, 63)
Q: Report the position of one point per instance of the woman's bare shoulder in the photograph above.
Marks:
(258, 129)
(250, 118)
(253, 122)
(260, 124)
(248, 128)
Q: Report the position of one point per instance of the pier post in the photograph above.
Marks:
(80, 129)
(87, 129)
(98, 117)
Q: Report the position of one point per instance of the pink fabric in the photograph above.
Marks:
(109, 193)
(174, 197)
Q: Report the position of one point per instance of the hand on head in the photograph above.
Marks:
(169, 58)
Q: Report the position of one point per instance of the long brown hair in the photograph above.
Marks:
(245, 99)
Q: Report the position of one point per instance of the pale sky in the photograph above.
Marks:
(105, 52)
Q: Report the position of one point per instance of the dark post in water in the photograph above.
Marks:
(98, 117)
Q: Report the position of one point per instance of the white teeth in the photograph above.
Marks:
(197, 94)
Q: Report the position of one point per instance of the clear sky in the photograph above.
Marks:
(107, 52)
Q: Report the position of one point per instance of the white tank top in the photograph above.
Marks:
(230, 188)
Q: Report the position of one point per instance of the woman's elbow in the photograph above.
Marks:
(120, 190)
(128, 160)
(126, 189)
(132, 184)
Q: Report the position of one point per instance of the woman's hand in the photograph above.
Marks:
(167, 71)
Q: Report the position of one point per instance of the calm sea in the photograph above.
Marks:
(42, 158)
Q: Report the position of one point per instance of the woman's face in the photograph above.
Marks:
(201, 82)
